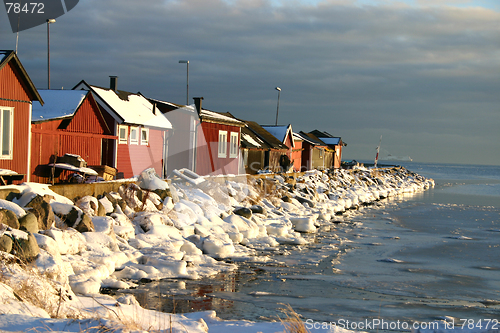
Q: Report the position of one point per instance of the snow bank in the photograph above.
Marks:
(186, 235)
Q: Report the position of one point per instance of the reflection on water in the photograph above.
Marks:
(183, 296)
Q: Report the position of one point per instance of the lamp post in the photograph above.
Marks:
(278, 108)
(187, 84)
(49, 21)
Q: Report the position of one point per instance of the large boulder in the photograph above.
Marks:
(26, 247)
(5, 243)
(243, 211)
(258, 209)
(40, 207)
(7, 217)
(29, 223)
(73, 217)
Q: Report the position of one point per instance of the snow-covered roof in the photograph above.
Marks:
(207, 115)
(136, 109)
(279, 132)
(58, 104)
(254, 141)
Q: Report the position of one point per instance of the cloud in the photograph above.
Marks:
(352, 69)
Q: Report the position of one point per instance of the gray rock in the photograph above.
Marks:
(29, 223)
(110, 198)
(303, 200)
(5, 243)
(258, 209)
(9, 218)
(78, 220)
(101, 211)
(40, 207)
(245, 212)
(26, 248)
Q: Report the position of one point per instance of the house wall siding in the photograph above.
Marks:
(297, 156)
(88, 119)
(207, 160)
(179, 150)
(135, 158)
(12, 92)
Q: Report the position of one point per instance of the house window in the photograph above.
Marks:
(6, 131)
(144, 136)
(134, 135)
(122, 134)
(233, 145)
(222, 144)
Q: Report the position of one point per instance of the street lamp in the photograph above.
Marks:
(278, 108)
(49, 21)
(187, 85)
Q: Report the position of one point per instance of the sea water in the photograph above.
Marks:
(434, 255)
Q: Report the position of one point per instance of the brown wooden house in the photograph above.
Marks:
(261, 151)
(17, 94)
(334, 142)
(315, 154)
(70, 122)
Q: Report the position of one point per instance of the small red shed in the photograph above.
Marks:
(70, 122)
(142, 130)
(218, 144)
(17, 94)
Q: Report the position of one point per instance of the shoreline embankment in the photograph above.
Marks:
(70, 242)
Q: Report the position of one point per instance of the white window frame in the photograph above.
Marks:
(122, 140)
(233, 145)
(134, 141)
(10, 139)
(222, 146)
(145, 141)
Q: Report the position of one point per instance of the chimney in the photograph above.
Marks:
(113, 82)
(197, 103)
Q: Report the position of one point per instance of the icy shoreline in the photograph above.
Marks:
(176, 231)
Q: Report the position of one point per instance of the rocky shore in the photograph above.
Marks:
(59, 253)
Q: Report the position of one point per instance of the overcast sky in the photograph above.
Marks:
(425, 74)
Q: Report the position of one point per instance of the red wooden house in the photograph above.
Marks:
(17, 94)
(70, 122)
(217, 143)
(202, 141)
(142, 130)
